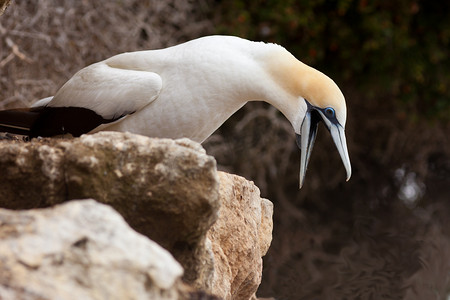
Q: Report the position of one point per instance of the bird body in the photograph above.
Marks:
(191, 102)
(189, 90)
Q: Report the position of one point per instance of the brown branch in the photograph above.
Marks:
(3, 5)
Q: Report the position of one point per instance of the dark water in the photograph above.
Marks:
(394, 246)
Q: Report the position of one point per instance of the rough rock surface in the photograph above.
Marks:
(81, 250)
(165, 189)
(240, 238)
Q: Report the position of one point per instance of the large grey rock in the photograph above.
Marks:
(215, 224)
(165, 189)
(81, 250)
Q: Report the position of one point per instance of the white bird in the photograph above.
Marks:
(189, 90)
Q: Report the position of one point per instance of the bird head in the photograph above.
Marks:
(313, 97)
(324, 102)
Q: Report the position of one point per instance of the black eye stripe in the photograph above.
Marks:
(328, 112)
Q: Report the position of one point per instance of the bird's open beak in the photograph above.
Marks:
(338, 135)
(305, 141)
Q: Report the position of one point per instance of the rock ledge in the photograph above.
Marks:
(215, 224)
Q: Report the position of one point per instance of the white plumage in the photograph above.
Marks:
(190, 89)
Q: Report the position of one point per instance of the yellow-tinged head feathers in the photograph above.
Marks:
(304, 81)
(321, 91)
(311, 97)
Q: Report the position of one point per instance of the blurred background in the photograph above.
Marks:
(385, 234)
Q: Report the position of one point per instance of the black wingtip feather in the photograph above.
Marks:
(17, 121)
(63, 120)
(50, 121)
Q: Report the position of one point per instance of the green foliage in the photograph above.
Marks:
(396, 50)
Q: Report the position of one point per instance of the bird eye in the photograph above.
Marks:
(329, 112)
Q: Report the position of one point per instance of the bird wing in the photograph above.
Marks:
(111, 92)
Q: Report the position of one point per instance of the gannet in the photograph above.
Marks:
(189, 90)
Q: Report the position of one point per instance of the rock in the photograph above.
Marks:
(240, 238)
(81, 250)
(165, 189)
